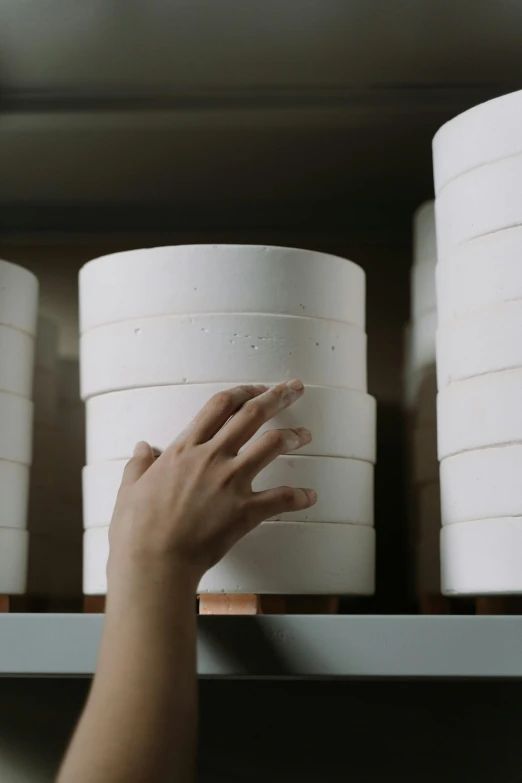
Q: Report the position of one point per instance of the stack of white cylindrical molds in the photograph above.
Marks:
(478, 180)
(18, 313)
(421, 401)
(162, 330)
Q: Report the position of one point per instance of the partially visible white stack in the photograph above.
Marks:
(18, 313)
(164, 329)
(478, 179)
(420, 401)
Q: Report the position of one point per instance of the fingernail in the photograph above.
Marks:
(312, 495)
(295, 385)
(142, 449)
(304, 434)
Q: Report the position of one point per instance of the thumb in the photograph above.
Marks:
(141, 461)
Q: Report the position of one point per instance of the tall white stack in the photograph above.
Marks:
(421, 402)
(478, 180)
(164, 329)
(18, 313)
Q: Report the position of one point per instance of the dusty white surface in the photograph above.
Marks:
(18, 297)
(422, 284)
(483, 134)
(485, 342)
(13, 561)
(16, 362)
(276, 557)
(16, 428)
(481, 484)
(483, 411)
(423, 341)
(344, 488)
(220, 279)
(480, 202)
(480, 273)
(482, 557)
(342, 422)
(424, 241)
(204, 348)
(425, 462)
(14, 494)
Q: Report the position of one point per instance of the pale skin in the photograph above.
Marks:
(175, 517)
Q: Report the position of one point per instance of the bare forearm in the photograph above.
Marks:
(140, 720)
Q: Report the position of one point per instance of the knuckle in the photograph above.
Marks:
(223, 401)
(276, 439)
(253, 409)
(280, 391)
(287, 495)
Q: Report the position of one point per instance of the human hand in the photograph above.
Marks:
(180, 513)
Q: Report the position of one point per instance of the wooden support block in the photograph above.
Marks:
(312, 604)
(273, 604)
(433, 603)
(499, 604)
(94, 604)
(229, 603)
(4, 603)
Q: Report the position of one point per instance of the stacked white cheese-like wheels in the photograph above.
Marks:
(478, 177)
(164, 329)
(420, 404)
(18, 313)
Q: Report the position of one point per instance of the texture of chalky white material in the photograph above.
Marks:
(483, 134)
(485, 342)
(479, 412)
(344, 488)
(424, 241)
(209, 348)
(423, 293)
(276, 557)
(342, 422)
(482, 557)
(483, 272)
(16, 428)
(14, 546)
(429, 511)
(425, 462)
(16, 362)
(481, 484)
(18, 297)
(480, 202)
(220, 279)
(14, 494)
(423, 341)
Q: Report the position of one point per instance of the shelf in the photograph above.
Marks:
(61, 645)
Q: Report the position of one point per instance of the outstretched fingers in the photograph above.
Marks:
(268, 447)
(281, 500)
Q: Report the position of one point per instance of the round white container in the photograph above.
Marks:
(16, 428)
(485, 342)
(17, 361)
(483, 411)
(425, 462)
(14, 494)
(423, 341)
(482, 484)
(14, 546)
(483, 134)
(482, 557)
(220, 279)
(18, 297)
(212, 348)
(344, 488)
(424, 241)
(422, 282)
(483, 272)
(342, 422)
(276, 557)
(428, 510)
(480, 202)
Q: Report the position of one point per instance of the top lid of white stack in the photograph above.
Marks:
(424, 240)
(18, 297)
(483, 134)
(204, 279)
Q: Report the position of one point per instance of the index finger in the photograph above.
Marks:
(256, 412)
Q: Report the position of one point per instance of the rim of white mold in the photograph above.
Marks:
(18, 297)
